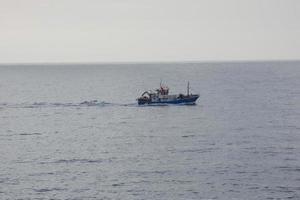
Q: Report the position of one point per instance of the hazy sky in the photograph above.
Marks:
(148, 30)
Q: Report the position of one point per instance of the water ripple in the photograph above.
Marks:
(70, 161)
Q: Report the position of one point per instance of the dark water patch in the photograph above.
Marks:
(42, 190)
(39, 103)
(135, 191)
(241, 172)
(204, 150)
(42, 174)
(30, 134)
(252, 186)
(284, 190)
(80, 190)
(3, 104)
(239, 129)
(290, 159)
(10, 181)
(161, 172)
(270, 198)
(7, 135)
(289, 148)
(176, 181)
(288, 168)
(118, 184)
(3, 180)
(79, 161)
(70, 161)
(23, 161)
(271, 153)
(141, 182)
(187, 136)
(285, 127)
(221, 171)
(141, 173)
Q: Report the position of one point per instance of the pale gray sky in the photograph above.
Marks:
(148, 30)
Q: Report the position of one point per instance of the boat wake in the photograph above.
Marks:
(92, 103)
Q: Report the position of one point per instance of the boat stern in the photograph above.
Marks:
(143, 100)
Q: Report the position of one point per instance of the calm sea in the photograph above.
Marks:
(75, 132)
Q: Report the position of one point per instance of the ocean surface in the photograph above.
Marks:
(76, 132)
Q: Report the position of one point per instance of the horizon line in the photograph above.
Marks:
(150, 62)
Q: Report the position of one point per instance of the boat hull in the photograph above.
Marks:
(187, 100)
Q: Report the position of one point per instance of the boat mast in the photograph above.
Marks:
(188, 89)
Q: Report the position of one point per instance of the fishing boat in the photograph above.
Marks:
(162, 96)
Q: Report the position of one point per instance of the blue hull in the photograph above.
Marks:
(186, 101)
